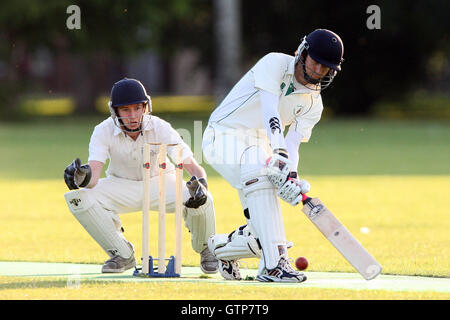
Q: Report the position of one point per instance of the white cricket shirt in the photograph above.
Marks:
(125, 154)
(299, 107)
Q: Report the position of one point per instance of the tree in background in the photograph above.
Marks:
(110, 32)
(384, 63)
(410, 51)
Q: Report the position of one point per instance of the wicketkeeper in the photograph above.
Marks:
(97, 202)
(244, 142)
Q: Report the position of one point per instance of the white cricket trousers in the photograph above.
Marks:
(94, 208)
(239, 156)
(123, 196)
(234, 152)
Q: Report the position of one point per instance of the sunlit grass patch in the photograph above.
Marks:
(407, 230)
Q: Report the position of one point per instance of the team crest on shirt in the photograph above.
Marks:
(289, 90)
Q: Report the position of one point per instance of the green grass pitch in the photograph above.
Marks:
(390, 177)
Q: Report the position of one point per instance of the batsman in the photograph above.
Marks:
(245, 143)
(97, 202)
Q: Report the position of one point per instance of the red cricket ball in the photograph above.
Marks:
(301, 263)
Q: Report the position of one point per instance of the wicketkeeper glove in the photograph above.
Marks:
(198, 189)
(77, 175)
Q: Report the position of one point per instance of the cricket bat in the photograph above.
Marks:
(340, 237)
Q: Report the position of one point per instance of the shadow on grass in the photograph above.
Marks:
(39, 284)
(66, 282)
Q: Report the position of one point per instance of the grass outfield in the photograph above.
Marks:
(57, 289)
(390, 177)
(41, 149)
(407, 235)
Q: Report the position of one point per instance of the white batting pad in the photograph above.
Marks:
(201, 223)
(99, 223)
(265, 218)
(240, 245)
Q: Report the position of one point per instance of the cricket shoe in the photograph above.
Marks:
(229, 270)
(117, 264)
(282, 273)
(208, 262)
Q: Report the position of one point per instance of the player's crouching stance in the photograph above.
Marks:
(120, 138)
(245, 144)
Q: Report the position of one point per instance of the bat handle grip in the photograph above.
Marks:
(305, 198)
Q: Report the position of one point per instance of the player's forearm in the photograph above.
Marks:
(293, 140)
(271, 119)
(194, 169)
(96, 168)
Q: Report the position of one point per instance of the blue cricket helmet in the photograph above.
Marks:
(128, 91)
(325, 47)
(125, 92)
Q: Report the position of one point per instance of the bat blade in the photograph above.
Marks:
(341, 238)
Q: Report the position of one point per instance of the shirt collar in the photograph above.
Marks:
(291, 67)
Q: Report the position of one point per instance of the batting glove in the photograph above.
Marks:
(293, 189)
(278, 168)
